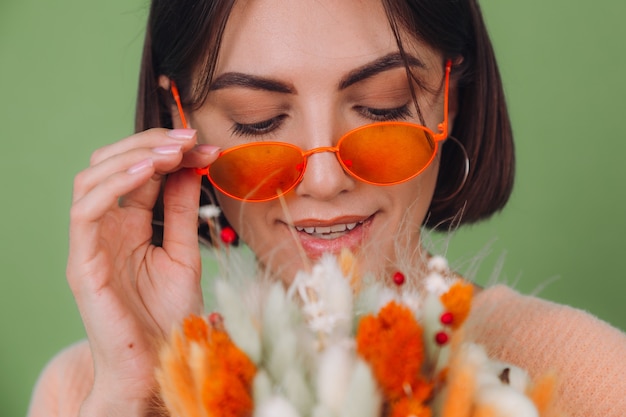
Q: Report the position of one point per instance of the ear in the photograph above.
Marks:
(166, 84)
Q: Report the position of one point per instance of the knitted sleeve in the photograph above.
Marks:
(587, 354)
(64, 384)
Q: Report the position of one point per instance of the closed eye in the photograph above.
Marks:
(258, 128)
(387, 114)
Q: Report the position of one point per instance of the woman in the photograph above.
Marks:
(303, 73)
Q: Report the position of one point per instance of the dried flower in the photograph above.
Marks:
(392, 344)
(347, 347)
(209, 212)
(458, 301)
(409, 406)
(202, 367)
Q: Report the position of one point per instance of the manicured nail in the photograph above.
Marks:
(167, 150)
(207, 149)
(181, 134)
(140, 166)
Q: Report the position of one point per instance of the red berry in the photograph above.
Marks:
(398, 278)
(215, 318)
(441, 338)
(447, 318)
(228, 235)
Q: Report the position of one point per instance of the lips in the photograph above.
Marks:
(317, 237)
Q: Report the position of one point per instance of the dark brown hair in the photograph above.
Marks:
(179, 31)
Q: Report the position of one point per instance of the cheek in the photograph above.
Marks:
(422, 187)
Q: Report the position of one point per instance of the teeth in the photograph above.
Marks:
(335, 228)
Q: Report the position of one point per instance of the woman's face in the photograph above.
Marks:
(306, 73)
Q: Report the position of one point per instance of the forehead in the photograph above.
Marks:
(286, 37)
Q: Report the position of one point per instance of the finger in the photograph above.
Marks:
(165, 159)
(151, 138)
(180, 235)
(87, 213)
(200, 156)
(145, 197)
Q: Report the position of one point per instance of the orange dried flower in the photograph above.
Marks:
(461, 387)
(542, 394)
(458, 301)
(195, 329)
(349, 269)
(392, 344)
(204, 370)
(484, 411)
(409, 406)
(227, 391)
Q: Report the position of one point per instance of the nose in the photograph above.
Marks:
(324, 177)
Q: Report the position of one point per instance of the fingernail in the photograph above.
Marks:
(181, 134)
(207, 149)
(140, 166)
(167, 150)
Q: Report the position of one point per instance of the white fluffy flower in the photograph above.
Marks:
(436, 283)
(327, 297)
(438, 264)
(209, 212)
(276, 406)
(335, 368)
(506, 401)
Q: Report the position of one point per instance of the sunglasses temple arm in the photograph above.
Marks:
(443, 127)
(183, 120)
(176, 95)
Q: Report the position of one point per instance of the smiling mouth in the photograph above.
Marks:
(329, 232)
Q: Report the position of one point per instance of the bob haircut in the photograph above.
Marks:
(179, 31)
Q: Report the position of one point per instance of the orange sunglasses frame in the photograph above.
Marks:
(437, 137)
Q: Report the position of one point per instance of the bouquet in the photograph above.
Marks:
(337, 343)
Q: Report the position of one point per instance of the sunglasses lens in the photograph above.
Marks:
(387, 153)
(257, 172)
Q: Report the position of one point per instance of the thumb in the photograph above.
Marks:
(181, 198)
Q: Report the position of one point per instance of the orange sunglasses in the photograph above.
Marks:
(384, 153)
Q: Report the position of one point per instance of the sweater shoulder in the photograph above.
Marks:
(64, 383)
(587, 354)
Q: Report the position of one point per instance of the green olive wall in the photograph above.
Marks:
(68, 73)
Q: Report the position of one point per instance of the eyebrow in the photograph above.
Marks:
(238, 79)
(382, 64)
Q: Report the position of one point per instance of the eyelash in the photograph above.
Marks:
(374, 114)
(259, 128)
(383, 115)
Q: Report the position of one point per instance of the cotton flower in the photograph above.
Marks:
(438, 264)
(238, 320)
(334, 370)
(363, 397)
(327, 297)
(506, 401)
(209, 212)
(276, 406)
(435, 283)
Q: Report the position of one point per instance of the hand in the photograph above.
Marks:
(129, 292)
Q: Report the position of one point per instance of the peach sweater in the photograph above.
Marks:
(588, 355)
